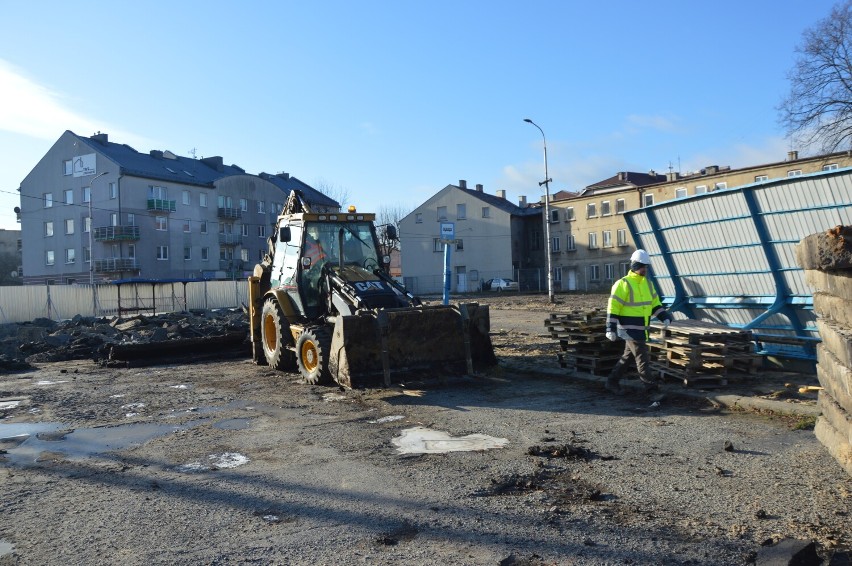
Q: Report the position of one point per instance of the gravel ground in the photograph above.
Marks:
(229, 463)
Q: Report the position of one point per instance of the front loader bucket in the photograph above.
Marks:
(379, 347)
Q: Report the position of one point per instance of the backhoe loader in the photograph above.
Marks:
(322, 302)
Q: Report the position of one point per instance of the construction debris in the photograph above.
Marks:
(582, 338)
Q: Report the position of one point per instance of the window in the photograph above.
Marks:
(48, 200)
(156, 192)
(700, 190)
(244, 254)
(131, 251)
(623, 268)
(205, 254)
(67, 167)
(794, 173)
(185, 197)
(607, 238)
(261, 231)
(87, 224)
(48, 229)
(554, 244)
(591, 211)
(570, 244)
(442, 213)
(261, 207)
(48, 257)
(160, 223)
(186, 225)
(203, 227)
(605, 208)
(187, 253)
(244, 204)
(225, 201)
(621, 237)
(245, 230)
(87, 254)
(225, 228)
(70, 255)
(113, 219)
(437, 245)
(594, 273)
(486, 212)
(113, 190)
(535, 241)
(162, 253)
(609, 271)
(647, 199)
(459, 245)
(593, 240)
(461, 211)
(554, 215)
(830, 167)
(619, 206)
(720, 186)
(557, 274)
(202, 199)
(759, 178)
(259, 255)
(681, 192)
(418, 218)
(87, 194)
(131, 219)
(69, 226)
(569, 214)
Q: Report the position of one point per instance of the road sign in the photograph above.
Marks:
(448, 231)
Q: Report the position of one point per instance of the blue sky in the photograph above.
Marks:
(393, 100)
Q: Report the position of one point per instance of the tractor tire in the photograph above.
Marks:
(312, 354)
(275, 336)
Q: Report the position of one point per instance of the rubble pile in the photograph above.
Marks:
(582, 338)
(827, 261)
(110, 338)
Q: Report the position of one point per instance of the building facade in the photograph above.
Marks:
(95, 211)
(590, 243)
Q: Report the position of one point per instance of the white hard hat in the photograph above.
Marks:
(641, 256)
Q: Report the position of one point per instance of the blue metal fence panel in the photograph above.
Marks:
(729, 256)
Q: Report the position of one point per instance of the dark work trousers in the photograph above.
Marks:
(638, 350)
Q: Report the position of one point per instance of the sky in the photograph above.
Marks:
(390, 101)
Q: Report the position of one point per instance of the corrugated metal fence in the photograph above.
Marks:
(60, 302)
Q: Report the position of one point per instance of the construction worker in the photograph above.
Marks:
(632, 302)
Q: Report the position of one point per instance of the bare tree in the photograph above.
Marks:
(819, 106)
(390, 215)
(332, 191)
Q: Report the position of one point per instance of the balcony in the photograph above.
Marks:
(116, 265)
(161, 205)
(231, 265)
(230, 239)
(116, 233)
(231, 213)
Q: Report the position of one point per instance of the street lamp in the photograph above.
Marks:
(546, 184)
(92, 228)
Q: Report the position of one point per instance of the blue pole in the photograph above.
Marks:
(447, 273)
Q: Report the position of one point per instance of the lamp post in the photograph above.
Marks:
(546, 184)
(92, 228)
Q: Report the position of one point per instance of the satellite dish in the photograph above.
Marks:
(14, 274)
(17, 210)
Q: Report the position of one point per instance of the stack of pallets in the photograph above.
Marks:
(582, 338)
(703, 354)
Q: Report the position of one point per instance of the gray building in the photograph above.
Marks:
(493, 238)
(96, 210)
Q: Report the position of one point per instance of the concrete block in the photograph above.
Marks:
(834, 443)
(834, 413)
(838, 284)
(826, 251)
(834, 308)
(837, 339)
(835, 377)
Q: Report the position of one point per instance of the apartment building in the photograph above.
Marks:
(95, 210)
(590, 241)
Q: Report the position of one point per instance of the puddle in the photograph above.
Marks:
(389, 419)
(421, 440)
(46, 382)
(6, 547)
(25, 442)
(9, 404)
(215, 462)
(233, 424)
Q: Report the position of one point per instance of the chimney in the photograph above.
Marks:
(479, 187)
(501, 193)
(522, 201)
(792, 155)
(462, 184)
(672, 176)
(99, 137)
(156, 153)
(712, 169)
(214, 162)
(283, 175)
(622, 176)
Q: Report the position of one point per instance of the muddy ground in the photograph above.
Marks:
(225, 462)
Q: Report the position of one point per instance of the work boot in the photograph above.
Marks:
(613, 386)
(655, 394)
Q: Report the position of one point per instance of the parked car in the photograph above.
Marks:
(500, 284)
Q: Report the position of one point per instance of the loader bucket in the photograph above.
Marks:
(388, 345)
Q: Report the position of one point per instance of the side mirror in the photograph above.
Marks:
(284, 234)
(390, 232)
